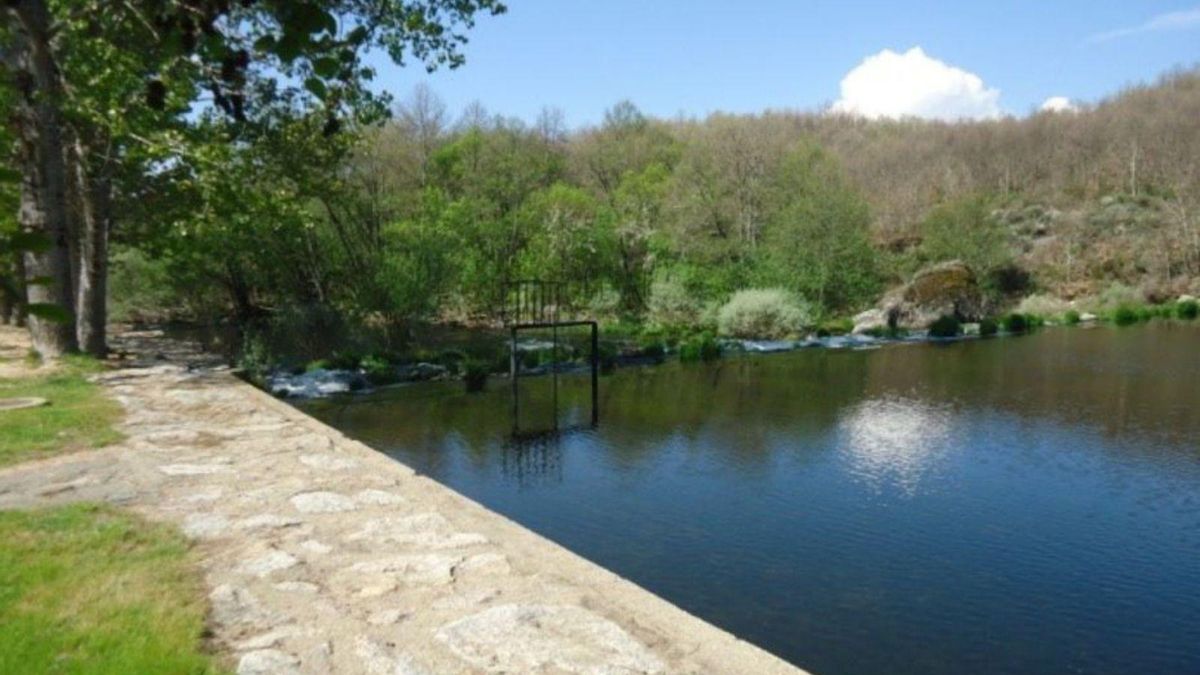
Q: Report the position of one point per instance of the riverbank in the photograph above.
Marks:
(322, 555)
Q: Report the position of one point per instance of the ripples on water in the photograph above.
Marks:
(1004, 506)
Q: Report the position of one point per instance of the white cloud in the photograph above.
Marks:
(912, 84)
(1058, 104)
(1171, 21)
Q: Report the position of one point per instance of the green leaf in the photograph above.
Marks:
(35, 242)
(326, 67)
(316, 86)
(49, 312)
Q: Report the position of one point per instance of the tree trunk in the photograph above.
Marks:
(95, 211)
(43, 206)
(18, 310)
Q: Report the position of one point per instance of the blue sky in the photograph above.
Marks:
(701, 56)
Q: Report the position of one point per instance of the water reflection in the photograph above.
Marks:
(534, 459)
(1001, 506)
(895, 441)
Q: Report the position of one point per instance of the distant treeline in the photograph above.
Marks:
(425, 216)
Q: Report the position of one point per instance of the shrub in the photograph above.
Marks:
(700, 348)
(945, 327)
(1187, 310)
(763, 313)
(1071, 317)
(671, 304)
(892, 332)
(988, 327)
(452, 359)
(475, 374)
(1016, 323)
(605, 302)
(837, 326)
(652, 346)
(1125, 316)
(378, 370)
(1116, 296)
(608, 357)
(1045, 305)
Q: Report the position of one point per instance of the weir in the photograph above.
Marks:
(539, 305)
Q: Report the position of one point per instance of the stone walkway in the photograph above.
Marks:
(324, 556)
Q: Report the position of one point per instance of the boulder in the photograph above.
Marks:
(945, 289)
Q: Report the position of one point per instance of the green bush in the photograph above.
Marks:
(945, 327)
(452, 359)
(988, 327)
(475, 374)
(700, 348)
(837, 326)
(888, 332)
(1071, 317)
(1016, 323)
(1187, 310)
(671, 304)
(608, 357)
(378, 370)
(652, 346)
(1125, 316)
(764, 313)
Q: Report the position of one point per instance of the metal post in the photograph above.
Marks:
(513, 369)
(595, 373)
(554, 372)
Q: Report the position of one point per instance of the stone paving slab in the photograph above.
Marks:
(324, 556)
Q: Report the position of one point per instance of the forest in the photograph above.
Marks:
(258, 181)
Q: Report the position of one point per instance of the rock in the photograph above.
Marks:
(233, 606)
(415, 569)
(269, 563)
(193, 469)
(204, 525)
(870, 321)
(378, 498)
(328, 462)
(386, 617)
(316, 383)
(315, 547)
(267, 521)
(22, 403)
(297, 587)
(1186, 298)
(945, 289)
(422, 372)
(322, 502)
(1087, 317)
(767, 346)
(546, 638)
(379, 658)
(267, 662)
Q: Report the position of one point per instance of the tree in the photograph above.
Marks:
(818, 236)
(243, 54)
(966, 230)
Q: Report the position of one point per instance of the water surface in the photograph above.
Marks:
(1018, 505)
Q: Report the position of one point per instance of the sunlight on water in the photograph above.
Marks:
(895, 442)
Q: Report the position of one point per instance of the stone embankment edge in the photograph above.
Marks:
(708, 644)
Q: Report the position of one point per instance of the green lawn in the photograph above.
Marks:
(88, 589)
(79, 415)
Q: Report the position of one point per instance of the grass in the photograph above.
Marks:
(78, 417)
(87, 589)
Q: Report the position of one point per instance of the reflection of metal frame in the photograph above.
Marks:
(536, 305)
(536, 458)
(514, 367)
